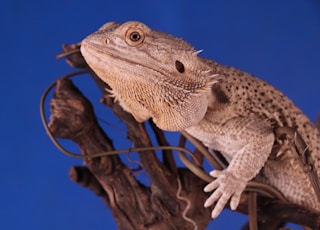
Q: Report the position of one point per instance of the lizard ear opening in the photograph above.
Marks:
(179, 66)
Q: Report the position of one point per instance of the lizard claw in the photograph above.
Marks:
(227, 186)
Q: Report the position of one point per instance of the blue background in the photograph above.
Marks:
(279, 41)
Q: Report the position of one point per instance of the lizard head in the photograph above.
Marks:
(152, 74)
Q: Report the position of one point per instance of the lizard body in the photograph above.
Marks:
(156, 75)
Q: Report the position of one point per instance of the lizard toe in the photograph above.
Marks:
(211, 186)
(219, 206)
(234, 202)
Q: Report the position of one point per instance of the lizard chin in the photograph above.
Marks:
(183, 116)
(168, 117)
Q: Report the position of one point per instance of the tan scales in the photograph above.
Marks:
(156, 75)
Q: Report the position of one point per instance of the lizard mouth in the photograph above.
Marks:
(99, 55)
(93, 50)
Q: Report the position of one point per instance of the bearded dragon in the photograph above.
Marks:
(156, 75)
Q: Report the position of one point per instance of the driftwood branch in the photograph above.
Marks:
(174, 199)
(133, 205)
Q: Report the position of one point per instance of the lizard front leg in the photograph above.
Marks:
(249, 143)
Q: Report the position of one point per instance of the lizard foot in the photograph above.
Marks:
(227, 186)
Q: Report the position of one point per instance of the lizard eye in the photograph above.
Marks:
(179, 66)
(134, 37)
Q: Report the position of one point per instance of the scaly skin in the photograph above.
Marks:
(156, 75)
